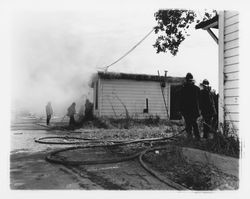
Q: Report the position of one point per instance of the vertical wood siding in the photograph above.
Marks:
(133, 95)
(231, 68)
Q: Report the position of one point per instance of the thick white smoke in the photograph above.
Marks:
(51, 63)
(55, 53)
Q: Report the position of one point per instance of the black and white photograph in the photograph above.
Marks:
(124, 95)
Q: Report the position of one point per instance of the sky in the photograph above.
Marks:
(56, 51)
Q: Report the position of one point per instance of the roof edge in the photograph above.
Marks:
(210, 23)
(138, 77)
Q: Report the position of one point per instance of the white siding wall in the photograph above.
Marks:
(231, 68)
(133, 94)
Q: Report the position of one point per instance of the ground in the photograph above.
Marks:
(30, 170)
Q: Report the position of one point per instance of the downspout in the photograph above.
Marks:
(221, 72)
(163, 84)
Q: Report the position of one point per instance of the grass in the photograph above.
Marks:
(193, 175)
(224, 143)
(218, 144)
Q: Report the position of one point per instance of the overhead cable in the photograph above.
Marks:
(106, 67)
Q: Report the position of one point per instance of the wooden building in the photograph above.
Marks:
(138, 95)
(227, 23)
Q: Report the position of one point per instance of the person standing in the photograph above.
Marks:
(207, 106)
(88, 110)
(189, 106)
(71, 113)
(81, 113)
(49, 112)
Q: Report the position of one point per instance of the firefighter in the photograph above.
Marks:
(71, 113)
(88, 110)
(207, 107)
(189, 106)
(49, 112)
(81, 113)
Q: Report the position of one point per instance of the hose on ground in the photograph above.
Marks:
(81, 140)
(85, 140)
(54, 158)
(156, 174)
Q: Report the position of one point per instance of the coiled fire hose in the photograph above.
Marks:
(54, 157)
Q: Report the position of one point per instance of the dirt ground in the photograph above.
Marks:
(30, 170)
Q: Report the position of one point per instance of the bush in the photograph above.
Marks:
(101, 123)
(152, 120)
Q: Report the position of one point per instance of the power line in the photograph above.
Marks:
(106, 67)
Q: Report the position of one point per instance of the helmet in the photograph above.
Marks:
(189, 77)
(205, 82)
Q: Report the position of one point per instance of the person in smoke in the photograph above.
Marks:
(189, 106)
(71, 113)
(49, 112)
(88, 110)
(207, 106)
(81, 113)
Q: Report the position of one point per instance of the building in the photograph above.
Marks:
(227, 23)
(138, 96)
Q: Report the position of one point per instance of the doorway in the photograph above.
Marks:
(175, 102)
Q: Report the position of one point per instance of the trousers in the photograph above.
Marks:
(48, 119)
(71, 121)
(207, 125)
(191, 125)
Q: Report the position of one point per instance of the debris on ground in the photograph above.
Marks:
(170, 164)
(194, 176)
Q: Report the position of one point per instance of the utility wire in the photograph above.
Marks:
(106, 67)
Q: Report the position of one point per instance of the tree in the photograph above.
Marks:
(174, 24)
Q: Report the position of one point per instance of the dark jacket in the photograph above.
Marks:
(207, 104)
(189, 100)
(215, 97)
(71, 111)
(49, 110)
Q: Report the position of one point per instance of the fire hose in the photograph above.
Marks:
(51, 156)
(54, 157)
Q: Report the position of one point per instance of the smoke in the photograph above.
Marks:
(56, 54)
(52, 62)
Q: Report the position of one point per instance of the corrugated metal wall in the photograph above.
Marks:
(133, 95)
(231, 68)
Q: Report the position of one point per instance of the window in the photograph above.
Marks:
(146, 109)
